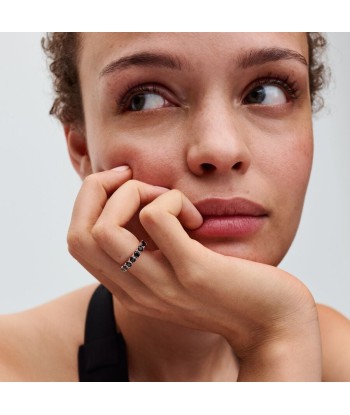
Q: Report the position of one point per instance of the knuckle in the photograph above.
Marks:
(193, 279)
(176, 193)
(149, 303)
(75, 242)
(90, 180)
(149, 214)
(125, 300)
(193, 270)
(95, 181)
(101, 232)
(131, 305)
(169, 295)
(132, 183)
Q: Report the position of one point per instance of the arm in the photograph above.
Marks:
(268, 316)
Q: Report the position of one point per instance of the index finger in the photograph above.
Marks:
(165, 219)
(93, 195)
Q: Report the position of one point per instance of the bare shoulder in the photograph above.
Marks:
(335, 333)
(41, 344)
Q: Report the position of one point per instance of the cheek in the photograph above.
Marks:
(150, 162)
(284, 172)
(289, 175)
(155, 166)
(298, 163)
(288, 164)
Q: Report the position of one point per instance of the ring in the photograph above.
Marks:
(129, 263)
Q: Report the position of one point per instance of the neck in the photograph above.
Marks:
(162, 351)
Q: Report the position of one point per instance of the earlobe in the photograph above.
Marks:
(78, 150)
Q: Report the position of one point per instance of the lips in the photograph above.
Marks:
(230, 207)
(236, 217)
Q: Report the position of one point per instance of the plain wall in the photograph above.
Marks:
(39, 185)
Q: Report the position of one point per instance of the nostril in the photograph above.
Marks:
(207, 167)
(237, 166)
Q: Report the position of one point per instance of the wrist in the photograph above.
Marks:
(283, 362)
(291, 354)
(283, 347)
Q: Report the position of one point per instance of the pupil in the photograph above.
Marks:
(258, 95)
(138, 102)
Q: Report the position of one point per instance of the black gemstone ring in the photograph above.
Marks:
(128, 264)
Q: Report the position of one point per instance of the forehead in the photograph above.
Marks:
(98, 49)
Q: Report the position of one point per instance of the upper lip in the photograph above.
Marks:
(236, 206)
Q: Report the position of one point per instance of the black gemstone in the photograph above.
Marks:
(136, 254)
(132, 259)
(128, 264)
(142, 243)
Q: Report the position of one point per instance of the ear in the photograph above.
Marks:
(78, 150)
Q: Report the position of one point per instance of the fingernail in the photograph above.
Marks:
(121, 168)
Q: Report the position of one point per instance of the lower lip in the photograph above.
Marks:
(229, 226)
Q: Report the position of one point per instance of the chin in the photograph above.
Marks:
(244, 250)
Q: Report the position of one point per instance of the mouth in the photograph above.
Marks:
(236, 217)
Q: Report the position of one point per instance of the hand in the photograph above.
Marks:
(267, 315)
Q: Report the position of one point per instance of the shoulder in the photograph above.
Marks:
(41, 344)
(335, 334)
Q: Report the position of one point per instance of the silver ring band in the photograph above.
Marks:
(129, 263)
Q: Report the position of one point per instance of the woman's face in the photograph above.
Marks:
(214, 115)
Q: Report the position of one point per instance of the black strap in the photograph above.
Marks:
(102, 357)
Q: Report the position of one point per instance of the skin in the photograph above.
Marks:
(179, 133)
(203, 308)
(181, 136)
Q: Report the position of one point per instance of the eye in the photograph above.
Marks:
(266, 95)
(143, 98)
(146, 101)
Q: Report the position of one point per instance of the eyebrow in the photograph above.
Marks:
(245, 60)
(146, 59)
(254, 57)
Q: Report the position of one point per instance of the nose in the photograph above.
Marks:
(217, 143)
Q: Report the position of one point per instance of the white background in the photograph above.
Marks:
(38, 187)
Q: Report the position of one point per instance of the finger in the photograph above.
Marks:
(109, 231)
(93, 195)
(164, 220)
(90, 203)
(151, 268)
(127, 199)
(109, 274)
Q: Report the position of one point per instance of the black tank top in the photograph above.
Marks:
(102, 357)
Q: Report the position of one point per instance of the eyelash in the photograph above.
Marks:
(130, 90)
(288, 85)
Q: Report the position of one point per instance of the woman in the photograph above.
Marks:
(200, 146)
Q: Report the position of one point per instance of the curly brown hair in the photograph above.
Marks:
(62, 50)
